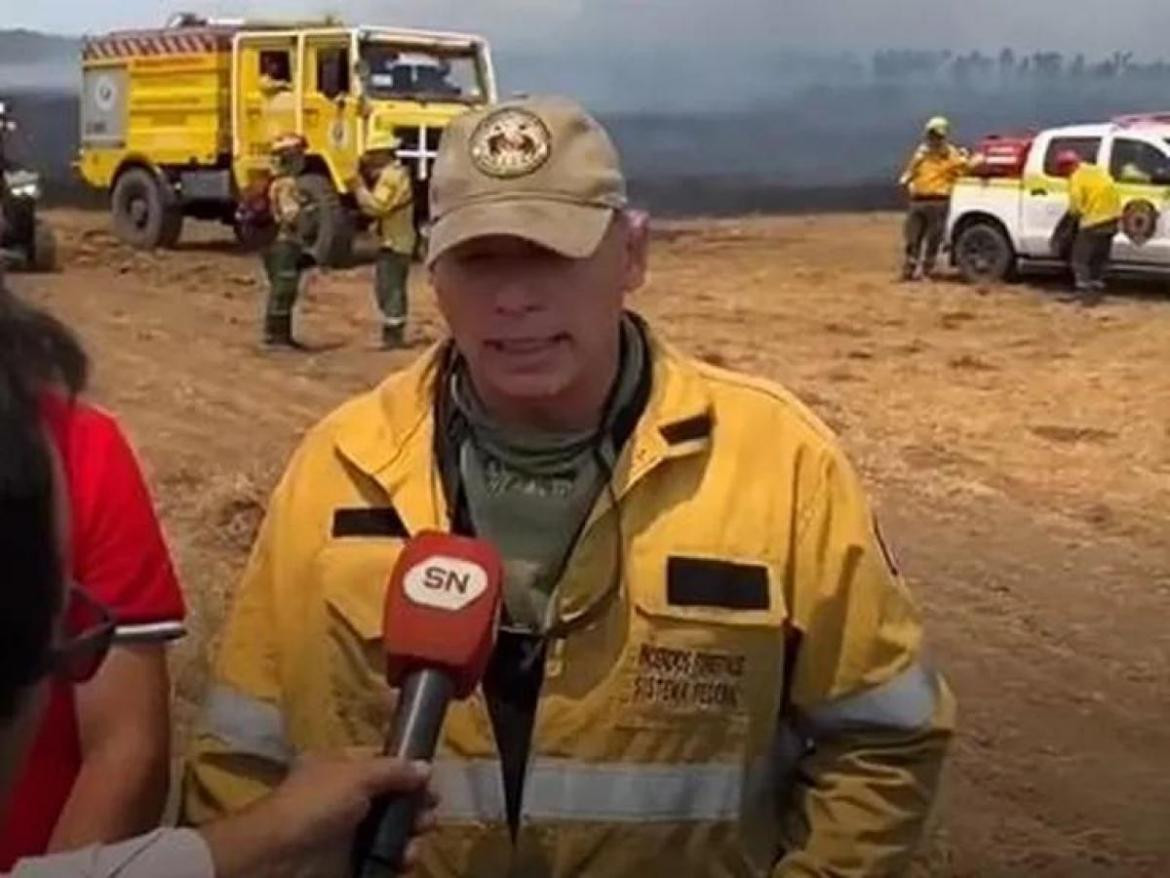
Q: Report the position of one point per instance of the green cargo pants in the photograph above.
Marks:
(391, 270)
(282, 264)
(1090, 256)
(925, 228)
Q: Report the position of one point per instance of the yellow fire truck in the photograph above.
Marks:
(176, 122)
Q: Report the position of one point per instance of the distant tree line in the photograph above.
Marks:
(915, 65)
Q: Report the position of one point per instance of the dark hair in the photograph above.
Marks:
(36, 350)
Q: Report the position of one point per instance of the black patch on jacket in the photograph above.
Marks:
(698, 427)
(702, 582)
(369, 522)
(792, 639)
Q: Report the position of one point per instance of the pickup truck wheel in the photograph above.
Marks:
(983, 253)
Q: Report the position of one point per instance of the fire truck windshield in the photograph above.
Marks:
(393, 72)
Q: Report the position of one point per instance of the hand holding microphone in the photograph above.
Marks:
(441, 614)
(319, 804)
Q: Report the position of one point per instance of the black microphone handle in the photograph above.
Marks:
(414, 733)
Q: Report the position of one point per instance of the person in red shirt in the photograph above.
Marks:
(51, 629)
(100, 764)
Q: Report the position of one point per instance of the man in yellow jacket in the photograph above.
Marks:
(1095, 201)
(709, 663)
(390, 203)
(929, 179)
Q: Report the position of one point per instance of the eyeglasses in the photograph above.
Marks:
(89, 627)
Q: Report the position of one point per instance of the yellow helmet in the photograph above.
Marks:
(940, 125)
(289, 142)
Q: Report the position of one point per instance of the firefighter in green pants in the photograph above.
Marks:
(384, 191)
(283, 260)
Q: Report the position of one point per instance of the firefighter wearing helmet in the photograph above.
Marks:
(1094, 202)
(284, 258)
(384, 191)
(929, 178)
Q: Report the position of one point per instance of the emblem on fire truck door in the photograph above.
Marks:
(105, 93)
(510, 143)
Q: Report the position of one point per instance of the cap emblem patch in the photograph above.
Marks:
(510, 143)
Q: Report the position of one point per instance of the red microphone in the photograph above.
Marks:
(442, 611)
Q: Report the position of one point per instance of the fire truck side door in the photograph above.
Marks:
(331, 105)
(1045, 195)
(265, 99)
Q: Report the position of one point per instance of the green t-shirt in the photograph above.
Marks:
(529, 492)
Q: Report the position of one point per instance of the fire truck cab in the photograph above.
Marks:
(177, 122)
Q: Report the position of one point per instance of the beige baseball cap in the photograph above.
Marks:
(540, 168)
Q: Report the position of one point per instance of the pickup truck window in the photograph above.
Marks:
(1086, 147)
(1135, 161)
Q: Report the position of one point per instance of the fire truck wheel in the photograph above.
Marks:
(327, 227)
(145, 213)
(254, 237)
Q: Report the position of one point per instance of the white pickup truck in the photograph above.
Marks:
(1002, 220)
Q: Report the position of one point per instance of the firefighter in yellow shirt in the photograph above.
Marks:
(1095, 201)
(384, 190)
(708, 664)
(929, 179)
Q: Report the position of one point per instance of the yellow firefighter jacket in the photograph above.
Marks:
(933, 173)
(391, 203)
(1093, 196)
(752, 700)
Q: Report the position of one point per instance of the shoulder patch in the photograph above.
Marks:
(698, 427)
(369, 522)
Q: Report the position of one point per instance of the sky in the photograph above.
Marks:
(1136, 25)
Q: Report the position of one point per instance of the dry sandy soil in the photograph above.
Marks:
(1018, 449)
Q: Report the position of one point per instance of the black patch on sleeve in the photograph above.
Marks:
(698, 427)
(369, 522)
(702, 582)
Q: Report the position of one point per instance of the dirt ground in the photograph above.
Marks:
(1018, 449)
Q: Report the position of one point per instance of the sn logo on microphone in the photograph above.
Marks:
(445, 583)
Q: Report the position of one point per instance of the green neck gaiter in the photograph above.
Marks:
(530, 491)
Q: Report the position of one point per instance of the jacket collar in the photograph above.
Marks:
(388, 434)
